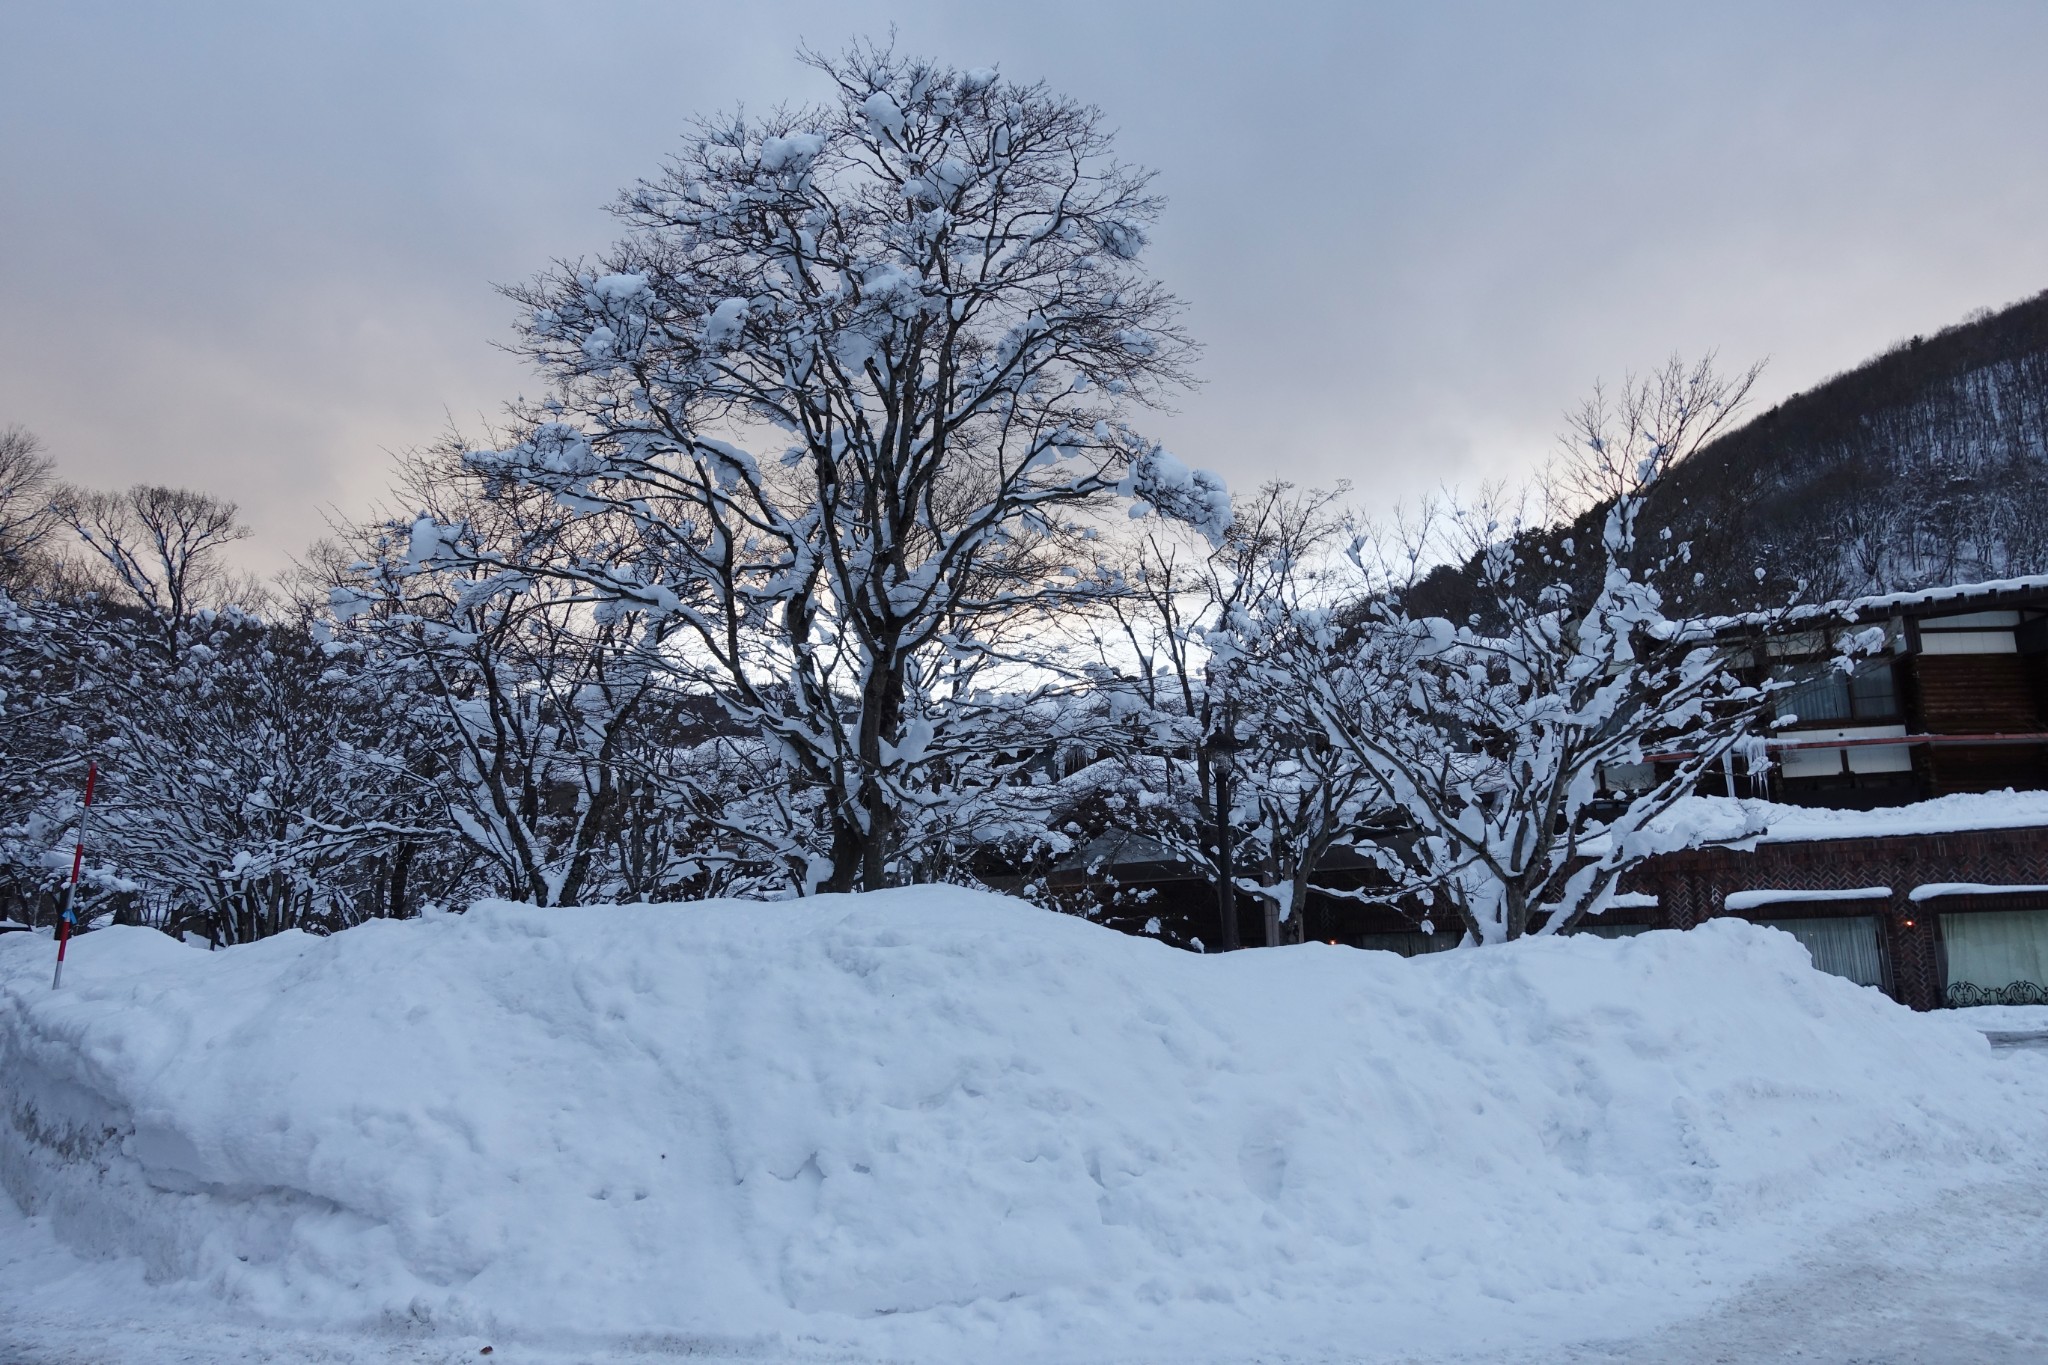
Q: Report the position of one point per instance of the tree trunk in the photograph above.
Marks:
(848, 852)
(401, 870)
(1514, 907)
(881, 721)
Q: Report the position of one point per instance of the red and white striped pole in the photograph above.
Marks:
(92, 770)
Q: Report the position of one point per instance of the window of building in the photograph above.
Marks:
(1824, 694)
(1412, 944)
(1846, 945)
(1996, 956)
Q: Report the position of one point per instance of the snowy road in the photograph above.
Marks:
(1963, 1281)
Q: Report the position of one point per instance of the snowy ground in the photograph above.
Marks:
(2016, 1025)
(941, 1127)
(1961, 1278)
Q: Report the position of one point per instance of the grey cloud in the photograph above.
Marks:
(252, 247)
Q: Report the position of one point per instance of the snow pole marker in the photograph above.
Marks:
(70, 918)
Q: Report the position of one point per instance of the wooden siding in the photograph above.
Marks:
(1990, 768)
(1975, 694)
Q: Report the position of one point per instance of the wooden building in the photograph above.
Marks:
(1956, 702)
(1935, 896)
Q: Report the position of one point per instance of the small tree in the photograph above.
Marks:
(1268, 797)
(160, 545)
(25, 516)
(1529, 747)
(245, 788)
(858, 377)
(42, 745)
(254, 786)
(535, 690)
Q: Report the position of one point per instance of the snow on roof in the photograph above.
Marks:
(1758, 899)
(1885, 604)
(1955, 592)
(1933, 890)
(1704, 820)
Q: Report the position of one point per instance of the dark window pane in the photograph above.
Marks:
(1823, 698)
(1873, 692)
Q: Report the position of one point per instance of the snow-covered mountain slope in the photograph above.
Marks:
(1923, 466)
(940, 1125)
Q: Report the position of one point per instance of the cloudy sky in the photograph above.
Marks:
(252, 247)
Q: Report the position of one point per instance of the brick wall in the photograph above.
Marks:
(1694, 885)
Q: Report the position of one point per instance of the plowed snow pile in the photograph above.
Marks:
(940, 1124)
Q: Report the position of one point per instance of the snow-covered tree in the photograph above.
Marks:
(1265, 797)
(859, 377)
(244, 787)
(532, 689)
(247, 781)
(43, 748)
(1528, 747)
(252, 786)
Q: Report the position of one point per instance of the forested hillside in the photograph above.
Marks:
(1927, 465)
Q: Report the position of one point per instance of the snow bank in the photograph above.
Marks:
(938, 1124)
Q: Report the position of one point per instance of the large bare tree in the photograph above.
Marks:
(860, 375)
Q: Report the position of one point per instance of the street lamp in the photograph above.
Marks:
(1221, 750)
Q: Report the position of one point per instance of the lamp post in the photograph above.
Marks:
(1221, 748)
